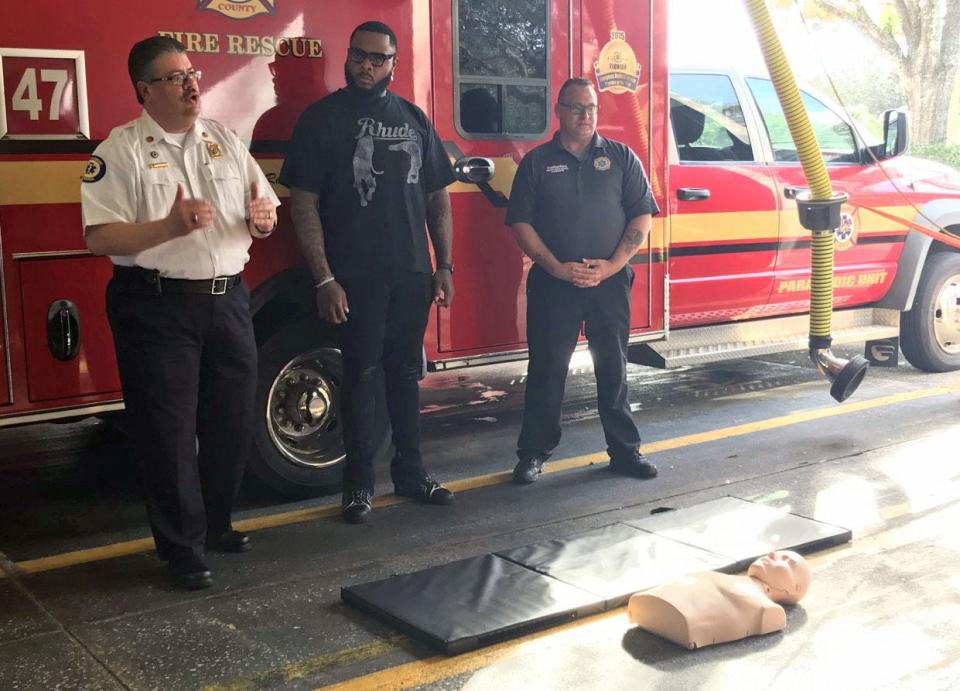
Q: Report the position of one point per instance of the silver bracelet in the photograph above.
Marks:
(324, 281)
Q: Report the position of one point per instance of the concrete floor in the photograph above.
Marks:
(882, 611)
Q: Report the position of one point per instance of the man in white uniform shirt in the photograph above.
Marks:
(175, 200)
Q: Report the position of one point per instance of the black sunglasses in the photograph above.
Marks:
(376, 59)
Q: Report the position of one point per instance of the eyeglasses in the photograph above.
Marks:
(178, 78)
(581, 110)
(376, 59)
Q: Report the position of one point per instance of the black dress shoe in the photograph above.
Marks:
(188, 571)
(423, 488)
(232, 541)
(528, 470)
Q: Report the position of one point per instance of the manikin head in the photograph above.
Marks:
(784, 575)
(165, 82)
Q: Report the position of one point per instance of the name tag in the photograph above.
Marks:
(159, 164)
(561, 168)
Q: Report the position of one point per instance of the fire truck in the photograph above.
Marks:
(724, 274)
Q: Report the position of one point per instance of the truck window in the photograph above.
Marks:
(500, 63)
(834, 136)
(707, 120)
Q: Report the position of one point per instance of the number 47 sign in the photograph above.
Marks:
(43, 94)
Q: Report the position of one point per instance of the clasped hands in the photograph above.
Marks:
(586, 273)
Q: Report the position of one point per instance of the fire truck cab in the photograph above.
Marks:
(725, 272)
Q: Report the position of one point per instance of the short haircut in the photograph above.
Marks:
(377, 28)
(573, 83)
(144, 53)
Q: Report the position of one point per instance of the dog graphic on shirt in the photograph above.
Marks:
(364, 174)
(412, 149)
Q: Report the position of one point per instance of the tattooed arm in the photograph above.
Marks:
(331, 300)
(440, 226)
(596, 270)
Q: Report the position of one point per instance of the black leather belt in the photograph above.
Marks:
(137, 277)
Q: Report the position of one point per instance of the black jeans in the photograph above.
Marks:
(188, 367)
(383, 346)
(555, 312)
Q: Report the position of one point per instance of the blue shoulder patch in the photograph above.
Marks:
(96, 169)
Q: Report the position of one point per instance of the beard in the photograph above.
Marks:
(364, 93)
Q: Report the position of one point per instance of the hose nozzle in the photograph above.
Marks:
(845, 375)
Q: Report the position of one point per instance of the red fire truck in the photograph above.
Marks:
(724, 274)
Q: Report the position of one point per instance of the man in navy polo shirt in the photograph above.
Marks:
(580, 208)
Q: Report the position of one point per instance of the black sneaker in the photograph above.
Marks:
(356, 505)
(528, 470)
(634, 466)
(423, 488)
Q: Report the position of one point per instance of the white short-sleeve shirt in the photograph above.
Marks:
(133, 177)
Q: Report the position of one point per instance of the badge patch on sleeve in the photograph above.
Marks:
(96, 169)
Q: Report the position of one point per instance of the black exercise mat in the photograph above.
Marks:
(616, 561)
(742, 530)
(471, 603)
(475, 602)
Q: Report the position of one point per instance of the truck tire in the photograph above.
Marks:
(298, 442)
(930, 332)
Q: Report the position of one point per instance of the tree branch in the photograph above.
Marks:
(854, 13)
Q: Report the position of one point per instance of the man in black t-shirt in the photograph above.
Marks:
(580, 208)
(367, 174)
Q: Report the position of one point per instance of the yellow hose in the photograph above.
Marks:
(821, 274)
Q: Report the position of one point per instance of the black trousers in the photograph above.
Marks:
(188, 367)
(383, 346)
(555, 312)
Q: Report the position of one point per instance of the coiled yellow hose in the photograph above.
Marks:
(821, 259)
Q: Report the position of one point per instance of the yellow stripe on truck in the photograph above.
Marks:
(58, 182)
(40, 182)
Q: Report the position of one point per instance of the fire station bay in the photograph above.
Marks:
(470, 344)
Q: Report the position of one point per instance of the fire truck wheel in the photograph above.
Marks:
(930, 332)
(298, 435)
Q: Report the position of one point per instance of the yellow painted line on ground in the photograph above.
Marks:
(442, 667)
(298, 670)
(84, 556)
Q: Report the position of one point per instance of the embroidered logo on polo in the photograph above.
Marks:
(601, 163)
(559, 168)
(400, 138)
(95, 170)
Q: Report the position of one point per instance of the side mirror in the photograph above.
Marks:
(894, 133)
(475, 169)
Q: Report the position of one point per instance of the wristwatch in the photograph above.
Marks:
(445, 265)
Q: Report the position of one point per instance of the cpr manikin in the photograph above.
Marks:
(709, 607)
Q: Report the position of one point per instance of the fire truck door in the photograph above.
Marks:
(495, 71)
(867, 247)
(724, 203)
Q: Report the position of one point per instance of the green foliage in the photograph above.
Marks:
(939, 151)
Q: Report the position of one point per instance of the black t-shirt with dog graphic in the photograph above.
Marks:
(372, 163)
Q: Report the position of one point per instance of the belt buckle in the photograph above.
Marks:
(219, 286)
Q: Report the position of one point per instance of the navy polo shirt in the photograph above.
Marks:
(580, 208)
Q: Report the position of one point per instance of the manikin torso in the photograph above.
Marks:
(708, 608)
